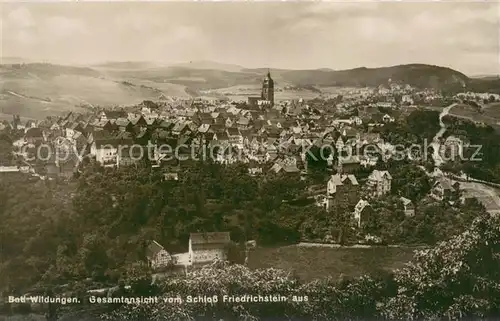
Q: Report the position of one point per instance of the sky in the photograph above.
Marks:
(297, 35)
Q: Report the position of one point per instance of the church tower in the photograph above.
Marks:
(268, 89)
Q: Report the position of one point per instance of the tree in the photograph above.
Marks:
(454, 279)
(409, 181)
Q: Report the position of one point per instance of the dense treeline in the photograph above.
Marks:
(453, 281)
(419, 126)
(97, 226)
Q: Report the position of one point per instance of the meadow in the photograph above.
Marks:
(489, 114)
(309, 263)
(37, 92)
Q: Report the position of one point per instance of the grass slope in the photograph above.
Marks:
(310, 263)
(489, 114)
(39, 90)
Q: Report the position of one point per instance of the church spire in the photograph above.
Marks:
(268, 88)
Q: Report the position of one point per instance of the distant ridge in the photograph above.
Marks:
(417, 75)
(209, 65)
(13, 60)
(485, 77)
(36, 89)
(127, 65)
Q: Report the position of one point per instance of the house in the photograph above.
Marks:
(243, 123)
(287, 165)
(444, 189)
(143, 138)
(235, 137)
(408, 206)
(157, 256)
(350, 132)
(356, 120)
(171, 176)
(207, 247)
(407, 99)
(137, 121)
(106, 150)
(468, 195)
(30, 124)
(124, 124)
(34, 135)
(13, 171)
(72, 129)
(455, 145)
(254, 168)
(103, 125)
(180, 128)
(379, 183)
(204, 128)
(111, 114)
(204, 118)
(4, 124)
(348, 164)
(362, 211)
(388, 119)
(340, 144)
(229, 122)
(384, 104)
(342, 190)
(166, 125)
(129, 155)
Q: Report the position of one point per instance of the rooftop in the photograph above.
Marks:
(210, 237)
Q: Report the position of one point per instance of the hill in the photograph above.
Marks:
(485, 77)
(211, 65)
(125, 65)
(422, 76)
(14, 60)
(417, 75)
(37, 89)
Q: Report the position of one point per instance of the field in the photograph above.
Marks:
(39, 90)
(488, 196)
(242, 92)
(490, 114)
(310, 263)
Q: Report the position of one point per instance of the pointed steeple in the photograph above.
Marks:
(268, 88)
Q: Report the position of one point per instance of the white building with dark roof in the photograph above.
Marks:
(379, 183)
(157, 256)
(207, 247)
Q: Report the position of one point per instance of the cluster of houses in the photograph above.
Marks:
(269, 139)
(273, 138)
(345, 191)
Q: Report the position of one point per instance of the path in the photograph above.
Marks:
(355, 246)
(436, 155)
(17, 95)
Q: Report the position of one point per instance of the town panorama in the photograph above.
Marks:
(250, 161)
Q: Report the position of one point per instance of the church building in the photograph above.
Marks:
(266, 98)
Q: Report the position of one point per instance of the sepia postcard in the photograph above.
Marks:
(249, 160)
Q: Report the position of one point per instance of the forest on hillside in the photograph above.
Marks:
(95, 227)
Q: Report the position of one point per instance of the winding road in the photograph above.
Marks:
(436, 155)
